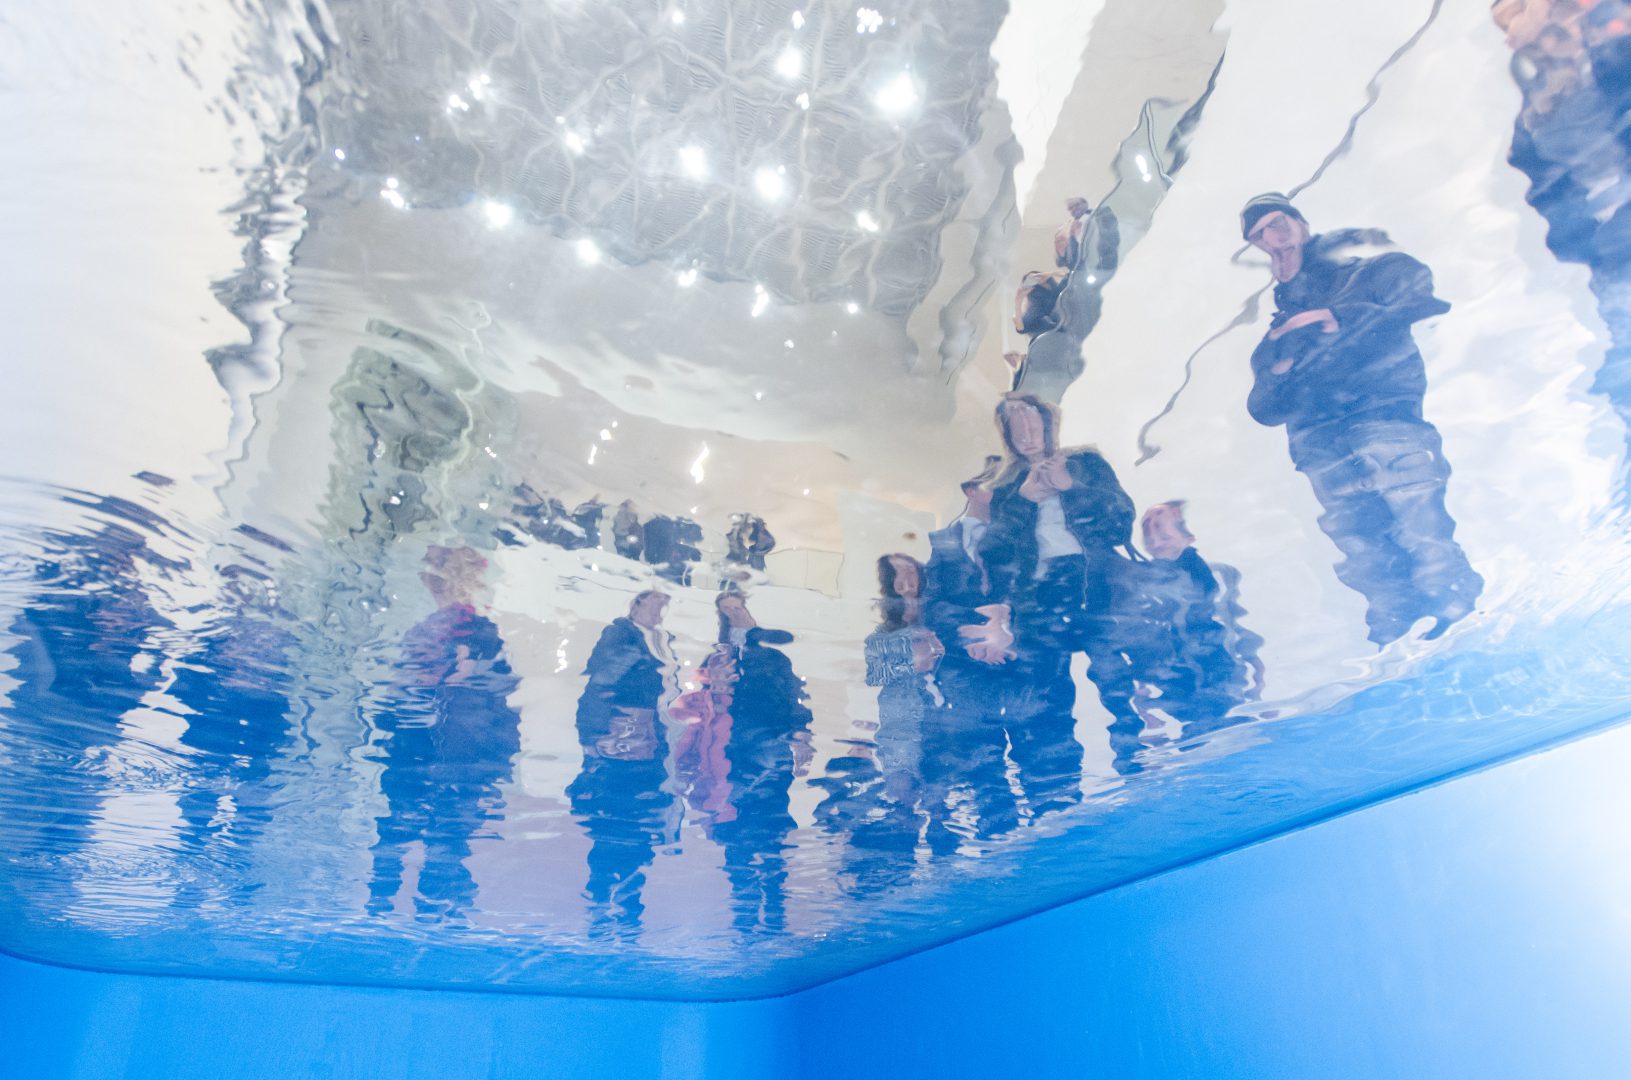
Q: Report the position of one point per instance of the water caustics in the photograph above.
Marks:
(565, 499)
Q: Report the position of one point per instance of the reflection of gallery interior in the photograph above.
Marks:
(775, 540)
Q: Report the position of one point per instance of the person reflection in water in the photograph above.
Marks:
(1058, 309)
(622, 796)
(1201, 663)
(901, 656)
(1339, 368)
(769, 745)
(85, 652)
(873, 804)
(964, 742)
(450, 744)
(1059, 523)
(749, 541)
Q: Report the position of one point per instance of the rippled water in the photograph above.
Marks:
(369, 365)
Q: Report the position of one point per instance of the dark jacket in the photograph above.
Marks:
(621, 667)
(769, 712)
(1097, 512)
(1370, 368)
(953, 586)
(454, 728)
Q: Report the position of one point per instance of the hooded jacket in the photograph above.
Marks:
(1370, 368)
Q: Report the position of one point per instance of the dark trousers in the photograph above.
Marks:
(1070, 609)
(1381, 484)
(623, 808)
(443, 819)
(965, 748)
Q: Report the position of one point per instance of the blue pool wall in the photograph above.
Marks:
(1477, 928)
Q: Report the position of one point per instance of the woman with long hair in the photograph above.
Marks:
(1059, 541)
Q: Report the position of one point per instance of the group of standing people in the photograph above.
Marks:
(974, 651)
(973, 657)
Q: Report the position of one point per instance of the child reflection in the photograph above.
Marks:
(872, 804)
(449, 745)
(748, 737)
(1339, 368)
(622, 796)
(901, 655)
(1200, 663)
(1053, 552)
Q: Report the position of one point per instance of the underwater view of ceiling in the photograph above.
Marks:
(693, 498)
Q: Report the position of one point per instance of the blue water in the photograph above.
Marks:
(586, 560)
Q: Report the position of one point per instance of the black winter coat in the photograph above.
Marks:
(1370, 368)
(1097, 512)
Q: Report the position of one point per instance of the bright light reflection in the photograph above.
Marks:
(770, 184)
(798, 20)
(696, 466)
(761, 300)
(604, 434)
(866, 221)
(498, 215)
(339, 153)
(789, 64)
(788, 344)
(693, 162)
(454, 101)
(867, 20)
(852, 307)
(677, 17)
(803, 101)
(897, 98)
(394, 197)
(574, 142)
(686, 278)
(588, 251)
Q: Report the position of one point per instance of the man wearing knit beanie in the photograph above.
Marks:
(1340, 369)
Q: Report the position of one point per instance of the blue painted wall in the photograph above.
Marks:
(1478, 929)
(57, 1024)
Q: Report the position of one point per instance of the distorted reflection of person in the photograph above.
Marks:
(1201, 663)
(628, 535)
(622, 795)
(1572, 63)
(85, 653)
(669, 545)
(1055, 552)
(872, 803)
(748, 541)
(901, 657)
(236, 690)
(965, 741)
(768, 745)
(1058, 309)
(450, 738)
(1341, 371)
